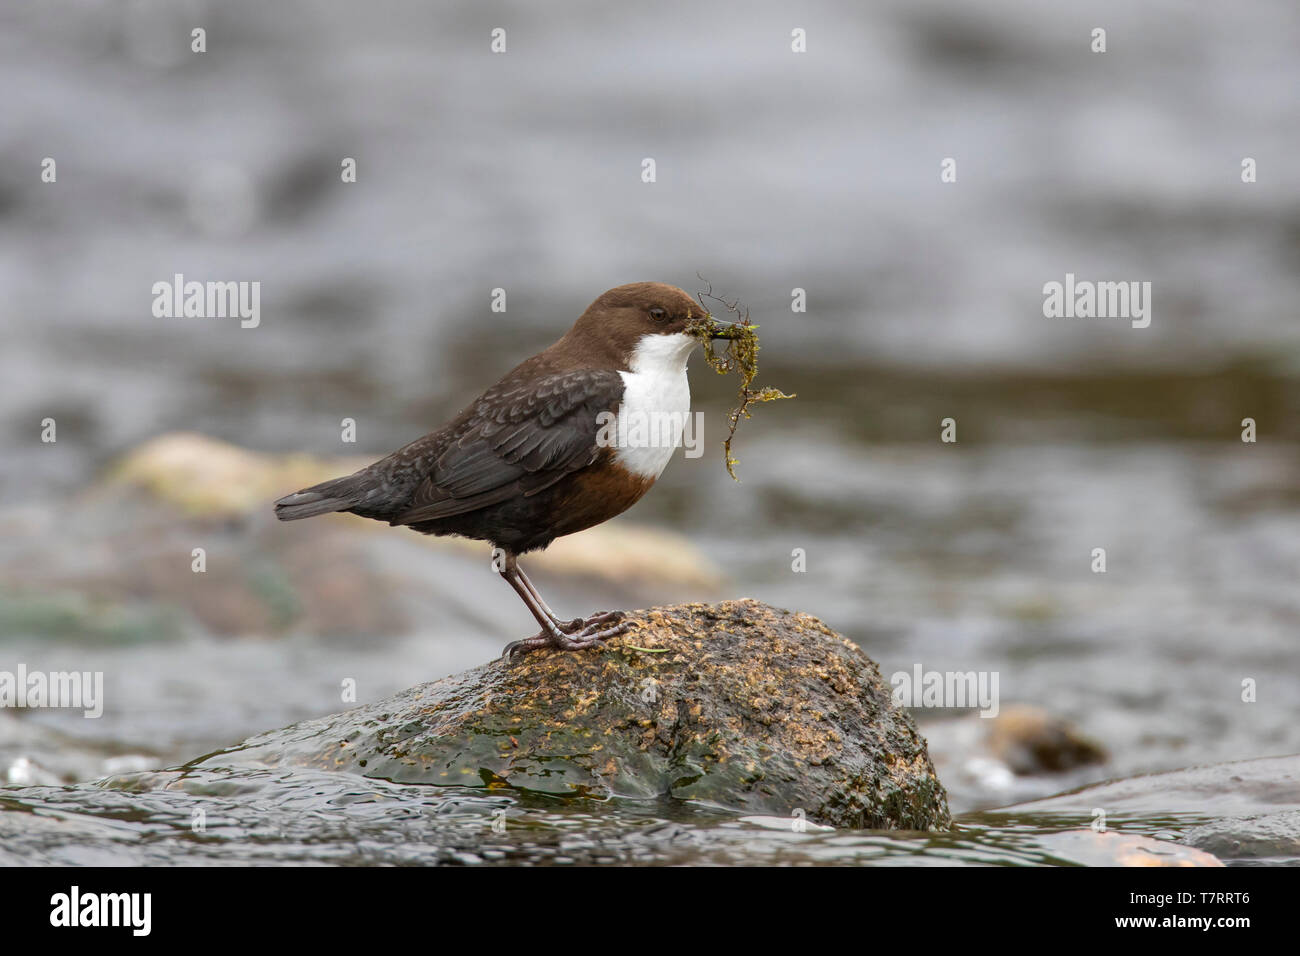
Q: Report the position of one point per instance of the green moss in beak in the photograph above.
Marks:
(740, 355)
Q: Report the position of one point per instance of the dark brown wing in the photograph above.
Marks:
(521, 438)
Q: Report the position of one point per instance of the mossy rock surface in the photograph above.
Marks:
(742, 705)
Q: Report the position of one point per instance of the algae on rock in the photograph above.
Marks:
(743, 705)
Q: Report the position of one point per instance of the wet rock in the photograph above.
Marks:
(1022, 754)
(1246, 809)
(1030, 740)
(1274, 837)
(737, 704)
(1240, 788)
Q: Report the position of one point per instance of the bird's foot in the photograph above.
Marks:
(590, 634)
(593, 634)
(582, 623)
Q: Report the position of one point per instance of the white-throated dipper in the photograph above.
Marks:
(524, 464)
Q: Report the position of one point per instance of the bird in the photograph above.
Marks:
(551, 449)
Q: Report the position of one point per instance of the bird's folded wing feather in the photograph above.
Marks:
(521, 438)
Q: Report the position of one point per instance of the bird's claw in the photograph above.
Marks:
(577, 635)
(592, 635)
(583, 623)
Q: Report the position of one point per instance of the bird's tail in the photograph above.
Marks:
(335, 495)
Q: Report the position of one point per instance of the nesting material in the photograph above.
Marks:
(741, 356)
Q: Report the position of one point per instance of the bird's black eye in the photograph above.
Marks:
(658, 313)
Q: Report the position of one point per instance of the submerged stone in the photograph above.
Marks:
(1273, 837)
(738, 704)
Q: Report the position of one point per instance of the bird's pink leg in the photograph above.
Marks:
(578, 623)
(551, 635)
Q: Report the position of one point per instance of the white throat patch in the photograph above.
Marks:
(656, 401)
